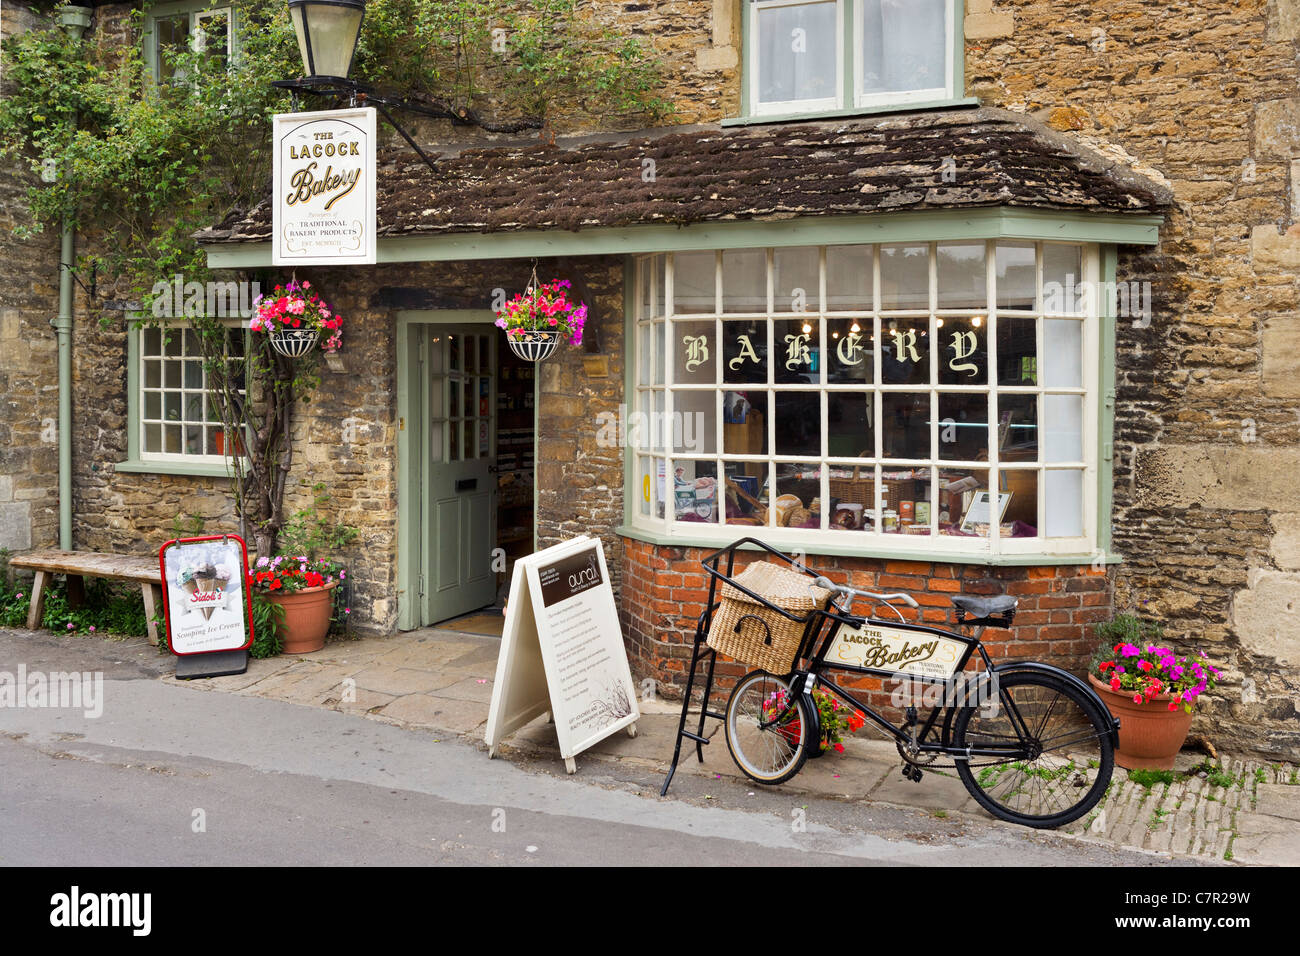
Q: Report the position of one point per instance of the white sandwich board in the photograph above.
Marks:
(562, 651)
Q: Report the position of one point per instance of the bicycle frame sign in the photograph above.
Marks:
(877, 647)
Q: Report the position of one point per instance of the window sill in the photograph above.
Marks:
(196, 468)
(928, 105)
(833, 550)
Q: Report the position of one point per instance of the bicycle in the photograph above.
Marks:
(1032, 743)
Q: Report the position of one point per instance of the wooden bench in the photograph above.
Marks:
(79, 565)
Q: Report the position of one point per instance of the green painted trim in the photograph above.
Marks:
(849, 112)
(197, 469)
(746, 87)
(1106, 409)
(989, 222)
(934, 557)
(406, 607)
(629, 383)
(959, 50)
(132, 391)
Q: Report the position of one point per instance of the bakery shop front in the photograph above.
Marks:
(883, 343)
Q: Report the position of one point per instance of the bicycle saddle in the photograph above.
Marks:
(985, 607)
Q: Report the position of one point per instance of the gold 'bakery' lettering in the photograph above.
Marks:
(307, 185)
(323, 149)
(746, 352)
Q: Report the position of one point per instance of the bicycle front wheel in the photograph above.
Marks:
(768, 730)
(1059, 752)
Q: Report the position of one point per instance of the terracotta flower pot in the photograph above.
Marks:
(1150, 734)
(306, 618)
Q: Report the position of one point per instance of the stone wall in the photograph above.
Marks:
(1206, 423)
(29, 407)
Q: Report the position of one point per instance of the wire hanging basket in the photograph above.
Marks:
(533, 345)
(294, 343)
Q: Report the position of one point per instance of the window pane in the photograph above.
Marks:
(1062, 278)
(744, 352)
(797, 54)
(658, 422)
(1018, 427)
(849, 279)
(963, 350)
(1021, 517)
(1062, 428)
(171, 37)
(212, 37)
(694, 282)
(963, 276)
(1064, 504)
(152, 374)
(795, 342)
(695, 353)
(964, 502)
(905, 352)
(152, 405)
(657, 332)
(643, 303)
(744, 281)
(746, 492)
(1016, 275)
(1017, 351)
(695, 491)
(744, 423)
(906, 424)
(171, 374)
(643, 355)
(695, 422)
(905, 277)
(796, 279)
(153, 438)
(798, 495)
(850, 425)
(849, 353)
(798, 424)
(1062, 353)
(453, 430)
(899, 493)
(645, 485)
(853, 502)
(963, 427)
(151, 342)
(904, 45)
(659, 276)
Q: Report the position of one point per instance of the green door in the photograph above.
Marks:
(453, 413)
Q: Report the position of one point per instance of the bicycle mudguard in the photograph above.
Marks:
(1011, 667)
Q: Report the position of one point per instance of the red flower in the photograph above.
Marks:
(1144, 665)
(1114, 683)
(1105, 665)
(276, 584)
(1137, 698)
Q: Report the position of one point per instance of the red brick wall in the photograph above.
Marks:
(665, 588)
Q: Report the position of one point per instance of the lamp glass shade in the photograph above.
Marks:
(332, 28)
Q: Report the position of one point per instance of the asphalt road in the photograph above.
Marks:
(175, 776)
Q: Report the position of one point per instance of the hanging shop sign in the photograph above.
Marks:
(562, 651)
(205, 602)
(894, 650)
(324, 188)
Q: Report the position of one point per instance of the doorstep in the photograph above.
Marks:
(439, 680)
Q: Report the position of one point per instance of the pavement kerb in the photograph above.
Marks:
(438, 660)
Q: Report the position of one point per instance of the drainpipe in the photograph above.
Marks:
(74, 20)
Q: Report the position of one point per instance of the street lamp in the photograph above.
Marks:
(327, 37)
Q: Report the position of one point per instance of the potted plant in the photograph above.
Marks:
(295, 317)
(537, 319)
(837, 720)
(303, 589)
(1150, 688)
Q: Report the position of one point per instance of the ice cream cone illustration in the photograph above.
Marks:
(223, 586)
(188, 585)
(206, 579)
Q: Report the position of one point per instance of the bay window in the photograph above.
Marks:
(919, 396)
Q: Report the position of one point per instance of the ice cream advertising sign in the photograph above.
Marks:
(323, 189)
(205, 598)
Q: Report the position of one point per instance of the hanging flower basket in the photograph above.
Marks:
(294, 343)
(295, 318)
(540, 317)
(533, 346)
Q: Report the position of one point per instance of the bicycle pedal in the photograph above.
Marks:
(913, 774)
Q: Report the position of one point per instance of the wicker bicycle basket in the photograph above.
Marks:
(755, 633)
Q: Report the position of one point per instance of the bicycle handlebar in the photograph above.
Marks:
(830, 585)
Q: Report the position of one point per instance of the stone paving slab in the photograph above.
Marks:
(440, 713)
(1278, 800)
(397, 681)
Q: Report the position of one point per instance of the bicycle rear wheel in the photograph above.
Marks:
(1060, 755)
(768, 730)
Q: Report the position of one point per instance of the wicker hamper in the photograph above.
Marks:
(748, 631)
(859, 490)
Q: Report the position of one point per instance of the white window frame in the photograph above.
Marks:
(848, 54)
(864, 99)
(658, 447)
(758, 108)
(141, 422)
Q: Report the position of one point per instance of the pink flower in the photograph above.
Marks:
(1137, 698)
(92, 629)
(69, 625)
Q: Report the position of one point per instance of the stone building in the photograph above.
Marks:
(949, 297)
